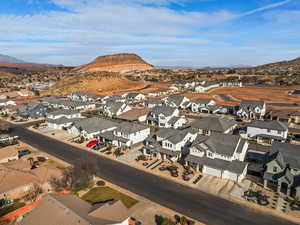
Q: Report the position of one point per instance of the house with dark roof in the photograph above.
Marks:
(152, 102)
(211, 125)
(112, 108)
(90, 127)
(267, 131)
(219, 155)
(204, 105)
(32, 110)
(134, 97)
(56, 114)
(166, 116)
(126, 134)
(69, 105)
(68, 209)
(84, 96)
(251, 109)
(169, 144)
(282, 172)
(177, 101)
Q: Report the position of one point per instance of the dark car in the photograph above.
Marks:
(4, 202)
(24, 152)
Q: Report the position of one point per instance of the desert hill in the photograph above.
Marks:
(93, 83)
(288, 63)
(116, 63)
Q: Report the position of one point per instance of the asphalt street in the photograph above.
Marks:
(198, 205)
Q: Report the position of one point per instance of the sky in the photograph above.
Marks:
(164, 32)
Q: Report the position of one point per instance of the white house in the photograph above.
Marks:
(63, 113)
(165, 116)
(267, 131)
(202, 105)
(211, 125)
(89, 128)
(251, 109)
(219, 155)
(70, 105)
(62, 119)
(83, 96)
(134, 96)
(169, 144)
(115, 108)
(177, 101)
(206, 86)
(126, 134)
(6, 102)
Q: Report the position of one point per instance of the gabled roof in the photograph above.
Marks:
(203, 101)
(289, 152)
(251, 104)
(94, 124)
(133, 95)
(63, 112)
(127, 127)
(271, 124)
(165, 110)
(113, 106)
(214, 124)
(176, 99)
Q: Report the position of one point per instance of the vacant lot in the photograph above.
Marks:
(267, 94)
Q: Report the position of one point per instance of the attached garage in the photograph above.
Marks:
(212, 171)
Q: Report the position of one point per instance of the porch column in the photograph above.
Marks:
(197, 168)
(279, 187)
(288, 192)
(186, 163)
(159, 156)
(265, 184)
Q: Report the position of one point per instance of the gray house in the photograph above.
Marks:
(283, 169)
(32, 110)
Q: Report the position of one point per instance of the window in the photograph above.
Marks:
(278, 132)
(209, 154)
(275, 169)
(268, 130)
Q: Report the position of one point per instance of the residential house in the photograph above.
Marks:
(267, 131)
(219, 155)
(68, 209)
(152, 102)
(64, 113)
(211, 125)
(252, 109)
(136, 114)
(84, 96)
(112, 108)
(169, 144)
(126, 134)
(203, 105)
(89, 128)
(20, 178)
(113, 98)
(282, 172)
(206, 86)
(232, 83)
(6, 102)
(134, 97)
(166, 116)
(32, 110)
(71, 105)
(177, 101)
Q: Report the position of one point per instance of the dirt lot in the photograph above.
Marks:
(237, 94)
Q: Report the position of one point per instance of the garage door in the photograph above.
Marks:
(212, 171)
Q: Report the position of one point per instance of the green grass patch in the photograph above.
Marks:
(103, 194)
(7, 209)
(56, 164)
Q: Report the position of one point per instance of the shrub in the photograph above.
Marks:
(100, 183)
(172, 167)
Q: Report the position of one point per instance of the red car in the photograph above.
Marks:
(92, 143)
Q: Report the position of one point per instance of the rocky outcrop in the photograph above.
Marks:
(116, 63)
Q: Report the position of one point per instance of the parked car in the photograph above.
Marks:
(92, 143)
(98, 146)
(4, 202)
(24, 152)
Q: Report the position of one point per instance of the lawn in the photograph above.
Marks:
(56, 164)
(103, 194)
(7, 209)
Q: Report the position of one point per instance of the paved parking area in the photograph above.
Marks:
(59, 134)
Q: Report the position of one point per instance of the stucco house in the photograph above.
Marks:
(166, 116)
(112, 108)
(203, 105)
(177, 101)
(251, 109)
(267, 131)
(211, 125)
(282, 169)
(219, 155)
(84, 96)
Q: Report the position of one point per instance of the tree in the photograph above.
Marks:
(118, 152)
(79, 176)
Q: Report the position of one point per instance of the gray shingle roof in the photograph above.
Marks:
(128, 127)
(290, 153)
(62, 112)
(95, 124)
(176, 99)
(203, 101)
(272, 125)
(251, 104)
(165, 110)
(214, 124)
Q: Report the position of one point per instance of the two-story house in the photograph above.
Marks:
(169, 144)
(112, 108)
(90, 127)
(84, 96)
(251, 109)
(152, 102)
(32, 110)
(211, 125)
(203, 105)
(267, 131)
(219, 155)
(177, 101)
(62, 119)
(165, 116)
(134, 97)
(126, 134)
(282, 172)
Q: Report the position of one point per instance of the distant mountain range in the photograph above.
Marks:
(9, 59)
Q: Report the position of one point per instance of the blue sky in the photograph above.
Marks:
(164, 32)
